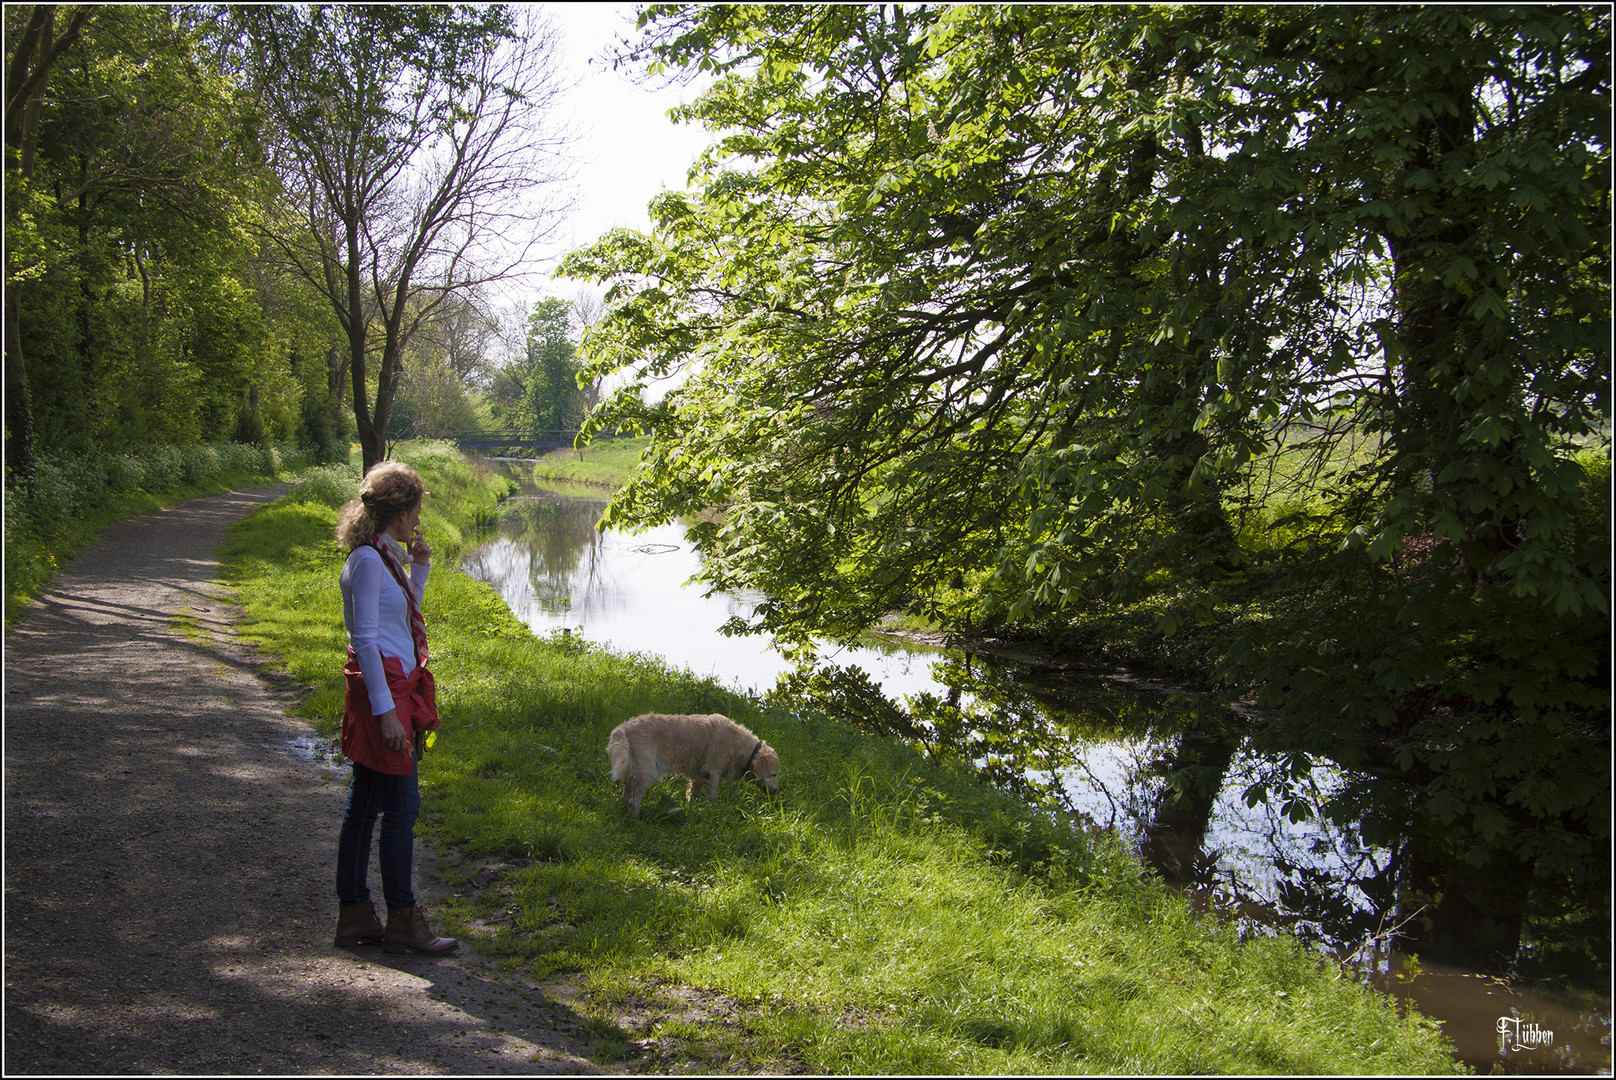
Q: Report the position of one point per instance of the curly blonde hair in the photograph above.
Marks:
(390, 489)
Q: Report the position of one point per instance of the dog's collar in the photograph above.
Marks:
(752, 756)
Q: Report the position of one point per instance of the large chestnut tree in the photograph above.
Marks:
(1293, 318)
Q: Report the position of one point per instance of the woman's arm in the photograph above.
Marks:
(366, 575)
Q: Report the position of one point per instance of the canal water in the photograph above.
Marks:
(1107, 750)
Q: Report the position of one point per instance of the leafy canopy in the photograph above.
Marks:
(1035, 296)
(1294, 321)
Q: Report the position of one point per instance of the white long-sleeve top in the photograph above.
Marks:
(378, 619)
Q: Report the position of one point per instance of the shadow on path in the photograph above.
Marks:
(168, 856)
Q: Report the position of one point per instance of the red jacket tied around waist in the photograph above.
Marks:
(414, 699)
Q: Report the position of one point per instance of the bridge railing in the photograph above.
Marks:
(533, 440)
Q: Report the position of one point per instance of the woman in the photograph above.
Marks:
(389, 706)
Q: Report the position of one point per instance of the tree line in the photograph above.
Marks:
(279, 223)
(1288, 328)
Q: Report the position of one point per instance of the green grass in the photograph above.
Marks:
(462, 496)
(603, 463)
(880, 915)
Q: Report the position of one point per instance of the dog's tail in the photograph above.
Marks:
(617, 751)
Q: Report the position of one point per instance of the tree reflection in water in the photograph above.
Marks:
(1274, 841)
(1267, 836)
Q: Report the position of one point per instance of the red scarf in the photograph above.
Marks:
(417, 620)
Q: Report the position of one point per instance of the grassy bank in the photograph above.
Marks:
(881, 915)
(604, 463)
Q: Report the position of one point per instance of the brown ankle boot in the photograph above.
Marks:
(357, 924)
(407, 929)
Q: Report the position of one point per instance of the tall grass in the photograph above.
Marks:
(880, 915)
(462, 495)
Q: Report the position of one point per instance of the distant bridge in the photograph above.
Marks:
(513, 440)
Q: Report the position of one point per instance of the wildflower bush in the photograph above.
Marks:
(327, 485)
(65, 486)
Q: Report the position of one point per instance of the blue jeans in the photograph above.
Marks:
(397, 801)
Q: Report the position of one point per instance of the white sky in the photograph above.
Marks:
(627, 147)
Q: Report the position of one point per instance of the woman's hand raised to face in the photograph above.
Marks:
(418, 548)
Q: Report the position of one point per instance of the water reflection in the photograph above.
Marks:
(1328, 855)
(559, 573)
(1179, 777)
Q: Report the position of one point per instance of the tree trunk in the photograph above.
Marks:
(1174, 841)
(372, 444)
(373, 422)
(372, 441)
(27, 70)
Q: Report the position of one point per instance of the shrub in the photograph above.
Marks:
(67, 486)
(165, 467)
(327, 485)
(293, 457)
(238, 457)
(19, 520)
(125, 474)
(201, 464)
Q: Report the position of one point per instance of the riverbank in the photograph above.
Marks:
(604, 463)
(1289, 647)
(882, 915)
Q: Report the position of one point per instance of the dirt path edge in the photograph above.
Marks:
(168, 853)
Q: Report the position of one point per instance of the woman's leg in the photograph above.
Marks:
(400, 806)
(353, 841)
(407, 928)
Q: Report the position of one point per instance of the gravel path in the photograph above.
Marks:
(168, 853)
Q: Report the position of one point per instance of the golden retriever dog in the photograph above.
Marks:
(706, 748)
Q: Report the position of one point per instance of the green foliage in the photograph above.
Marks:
(431, 403)
(1290, 321)
(1496, 708)
(551, 399)
(1036, 290)
(327, 485)
(138, 324)
(963, 929)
